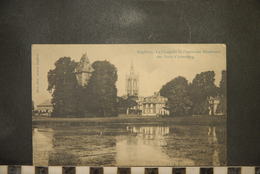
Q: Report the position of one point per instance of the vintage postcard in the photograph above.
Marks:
(129, 104)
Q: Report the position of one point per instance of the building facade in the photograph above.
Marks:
(83, 70)
(45, 108)
(154, 105)
(213, 105)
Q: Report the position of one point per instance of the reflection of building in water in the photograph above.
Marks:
(212, 134)
(215, 158)
(159, 130)
(145, 147)
(84, 70)
(213, 140)
(154, 105)
(150, 133)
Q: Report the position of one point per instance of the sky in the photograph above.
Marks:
(156, 64)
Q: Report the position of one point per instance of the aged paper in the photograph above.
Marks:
(129, 104)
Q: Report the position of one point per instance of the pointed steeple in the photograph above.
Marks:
(132, 68)
(132, 82)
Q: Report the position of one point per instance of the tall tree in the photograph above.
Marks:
(101, 89)
(222, 107)
(32, 106)
(201, 88)
(64, 87)
(176, 91)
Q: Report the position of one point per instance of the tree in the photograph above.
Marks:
(124, 103)
(176, 91)
(201, 88)
(101, 90)
(64, 87)
(32, 106)
(222, 107)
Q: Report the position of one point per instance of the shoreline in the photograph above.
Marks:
(205, 120)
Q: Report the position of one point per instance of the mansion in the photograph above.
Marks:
(154, 105)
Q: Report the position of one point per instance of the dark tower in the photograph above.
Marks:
(132, 82)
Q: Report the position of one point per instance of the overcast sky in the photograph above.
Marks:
(156, 64)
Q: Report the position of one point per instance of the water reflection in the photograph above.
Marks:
(150, 135)
(213, 140)
(212, 135)
(149, 130)
(42, 145)
(132, 145)
(146, 147)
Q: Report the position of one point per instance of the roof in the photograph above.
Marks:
(156, 98)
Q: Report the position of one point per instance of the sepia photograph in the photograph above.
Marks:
(129, 104)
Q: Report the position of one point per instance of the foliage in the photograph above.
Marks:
(99, 96)
(176, 91)
(32, 105)
(63, 85)
(124, 103)
(201, 88)
(101, 90)
(222, 107)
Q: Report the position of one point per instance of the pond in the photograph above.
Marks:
(129, 145)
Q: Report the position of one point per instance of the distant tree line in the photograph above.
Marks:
(97, 98)
(193, 98)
